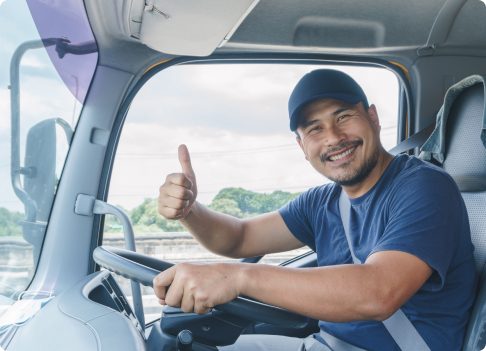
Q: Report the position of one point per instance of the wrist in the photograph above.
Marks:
(188, 213)
(243, 278)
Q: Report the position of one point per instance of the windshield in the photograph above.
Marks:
(48, 59)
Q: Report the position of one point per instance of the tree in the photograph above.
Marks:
(146, 218)
(234, 201)
(237, 202)
(228, 206)
(10, 223)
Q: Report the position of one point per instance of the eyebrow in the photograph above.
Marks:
(339, 110)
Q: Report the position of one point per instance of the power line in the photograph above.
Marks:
(171, 155)
(296, 187)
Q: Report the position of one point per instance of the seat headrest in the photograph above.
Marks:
(465, 154)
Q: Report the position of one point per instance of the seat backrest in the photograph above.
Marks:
(465, 161)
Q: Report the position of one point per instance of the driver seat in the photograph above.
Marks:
(465, 161)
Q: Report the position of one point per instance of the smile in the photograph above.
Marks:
(342, 155)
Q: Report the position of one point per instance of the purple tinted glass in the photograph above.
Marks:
(75, 59)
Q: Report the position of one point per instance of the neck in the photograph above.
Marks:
(363, 187)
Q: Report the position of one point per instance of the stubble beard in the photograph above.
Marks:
(356, 176)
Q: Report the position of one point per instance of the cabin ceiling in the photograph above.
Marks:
(363, 25)
(390, 29)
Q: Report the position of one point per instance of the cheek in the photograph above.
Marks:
(310, 148)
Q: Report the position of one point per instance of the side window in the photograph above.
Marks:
(234, 120)
(41, 97)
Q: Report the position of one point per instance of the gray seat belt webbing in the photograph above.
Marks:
(415, 140)
(337, 344)
(398, 325)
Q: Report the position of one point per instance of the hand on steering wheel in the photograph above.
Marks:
(143, 269)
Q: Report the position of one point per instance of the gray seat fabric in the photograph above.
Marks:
(465, 161)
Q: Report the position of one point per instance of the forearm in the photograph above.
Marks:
(338, 293)
(219, 233)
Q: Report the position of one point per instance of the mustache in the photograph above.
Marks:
(345, 144)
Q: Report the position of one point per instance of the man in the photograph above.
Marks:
(407, 224)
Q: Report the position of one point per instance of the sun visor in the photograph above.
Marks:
(189, 27)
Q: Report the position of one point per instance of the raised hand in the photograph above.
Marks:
(179, 192)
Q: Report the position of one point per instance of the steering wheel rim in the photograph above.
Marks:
(143, 269)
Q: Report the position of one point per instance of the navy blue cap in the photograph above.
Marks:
(323, 84)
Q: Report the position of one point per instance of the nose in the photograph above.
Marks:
(334, 136)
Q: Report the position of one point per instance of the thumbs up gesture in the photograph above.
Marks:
(179, 192)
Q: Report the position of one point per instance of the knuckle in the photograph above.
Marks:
(169, 300)
(173, 212)
(188, 183)
(182, 203)
(201, 309)
(180, 178)
(180, 193)
(167, 212)
(186, 309)
(201, 298)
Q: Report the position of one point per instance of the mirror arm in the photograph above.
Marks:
(63, 47)
(15, 169)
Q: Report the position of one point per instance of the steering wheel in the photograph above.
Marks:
(143, 269)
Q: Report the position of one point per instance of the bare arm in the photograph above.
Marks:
(234, 237)
(370, 291)
(220, 233)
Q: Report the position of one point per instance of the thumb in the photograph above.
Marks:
(185, 161)
(162, 282)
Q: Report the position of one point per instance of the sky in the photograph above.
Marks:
(233, 118)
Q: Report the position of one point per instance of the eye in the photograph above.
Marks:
(343, 117)
(314, 130)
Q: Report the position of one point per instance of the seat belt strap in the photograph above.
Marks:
(336, 344)
(398, 325)
(415, 140)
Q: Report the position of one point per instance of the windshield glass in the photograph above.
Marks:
(48, 60)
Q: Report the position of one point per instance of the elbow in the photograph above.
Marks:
(383, 313)
(238, 247)
(382, 306)
(234, 248)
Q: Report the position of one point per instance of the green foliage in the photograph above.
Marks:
(243, 203)
(228, 206)
(10, 223)
(237, 202)
(146, 216)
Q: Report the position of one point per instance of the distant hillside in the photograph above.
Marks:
(237, 202)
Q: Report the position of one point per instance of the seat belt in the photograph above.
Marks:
(398, 325)
(415, 140)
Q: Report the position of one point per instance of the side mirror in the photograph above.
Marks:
(39, 171)
(39, 177)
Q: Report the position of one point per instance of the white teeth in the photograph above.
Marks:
(341, 155)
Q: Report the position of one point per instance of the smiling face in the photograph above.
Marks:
(342, 142)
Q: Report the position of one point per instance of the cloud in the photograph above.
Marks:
(245, 98)
(234, 120)
(221, 158)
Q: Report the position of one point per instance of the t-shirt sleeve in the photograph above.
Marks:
(424, 219)
(298, 217)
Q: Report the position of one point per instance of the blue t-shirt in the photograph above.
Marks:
(416, 208)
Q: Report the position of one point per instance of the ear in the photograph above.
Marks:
(299, 141)
(374, 117)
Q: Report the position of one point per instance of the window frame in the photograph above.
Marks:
(405, 113)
